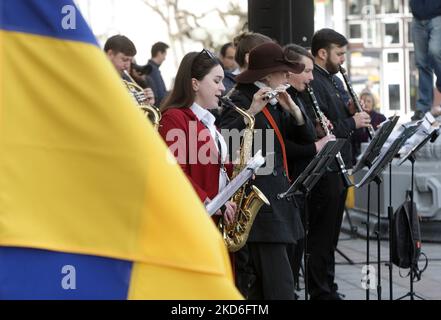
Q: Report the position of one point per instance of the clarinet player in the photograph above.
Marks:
(329, 195)
(301, 152)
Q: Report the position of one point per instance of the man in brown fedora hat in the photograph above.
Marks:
(262, 92)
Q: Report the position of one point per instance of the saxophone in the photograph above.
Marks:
(321, 118)
(138, 95)
(235, 235)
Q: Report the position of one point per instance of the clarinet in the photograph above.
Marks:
(321, 118)
(370, 129)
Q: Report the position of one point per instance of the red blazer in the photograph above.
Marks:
(194, 149)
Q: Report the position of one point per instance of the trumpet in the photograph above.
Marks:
(138, 95)
(370, 129)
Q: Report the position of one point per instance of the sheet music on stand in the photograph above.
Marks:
(222, 197)
(416, 147)
(387, 155)
(316, 168)
(373, 150)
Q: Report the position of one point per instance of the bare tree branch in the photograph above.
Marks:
(183, 25)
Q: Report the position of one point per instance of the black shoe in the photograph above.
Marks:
(418, 115)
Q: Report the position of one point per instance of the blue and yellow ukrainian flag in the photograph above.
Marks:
(89, 206)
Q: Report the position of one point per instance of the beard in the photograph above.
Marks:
(332, 68)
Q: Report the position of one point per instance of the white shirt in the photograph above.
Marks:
(207, 118)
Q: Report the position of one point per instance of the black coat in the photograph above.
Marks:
(279, 222)
(301, 151)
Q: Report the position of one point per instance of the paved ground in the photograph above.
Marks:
(349, 276)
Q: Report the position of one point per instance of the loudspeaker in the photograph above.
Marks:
(287, 21)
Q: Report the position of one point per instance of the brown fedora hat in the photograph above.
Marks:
(265, 59)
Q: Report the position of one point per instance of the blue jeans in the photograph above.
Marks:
(427, 42)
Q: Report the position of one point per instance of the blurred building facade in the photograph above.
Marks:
(381, 55)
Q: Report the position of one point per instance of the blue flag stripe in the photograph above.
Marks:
(41, 274)
(53, 18)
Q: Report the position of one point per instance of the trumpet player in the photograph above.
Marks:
(262, 92)
(121, 51)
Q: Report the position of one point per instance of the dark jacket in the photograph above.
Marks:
(158, 87)
(229, 81)
(425, 9)
(333, 106)
(300, 152)
(279, 222)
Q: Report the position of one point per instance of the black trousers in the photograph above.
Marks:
(299, 248)
(272, 267)
(326, 207)
(244, 274)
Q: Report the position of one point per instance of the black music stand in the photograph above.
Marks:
(367, 159)
(411, 157)
(373, 150)
(306, 182)
(373, 174)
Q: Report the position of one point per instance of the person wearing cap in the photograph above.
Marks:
(328, 197)
(277, 227)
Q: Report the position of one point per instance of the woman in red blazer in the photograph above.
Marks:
(188, 127)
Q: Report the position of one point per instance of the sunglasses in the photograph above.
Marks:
(209, 54)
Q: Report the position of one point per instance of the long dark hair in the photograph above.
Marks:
(194, 65)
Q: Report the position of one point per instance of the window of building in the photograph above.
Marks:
(391, 6)
(391, 33)
(394, 97)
